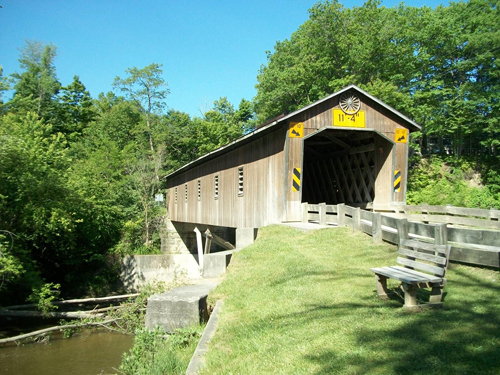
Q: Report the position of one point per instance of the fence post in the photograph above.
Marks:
(341, 214)
(440, 234)
(322, 214)
(425, 211)
(402, 225)
(494, 214)
(377, 227)
(356, 219)
(305, 212)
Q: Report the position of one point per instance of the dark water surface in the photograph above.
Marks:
(84, 354)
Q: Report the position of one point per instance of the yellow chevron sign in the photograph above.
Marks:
(296, 130)
(296, 179)
(397, 181)
(401, 136)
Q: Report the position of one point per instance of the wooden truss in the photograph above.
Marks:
(339, 168)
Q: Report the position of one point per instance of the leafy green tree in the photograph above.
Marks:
(34, 199)
(222, 124)
(4, 86)
(76, 109)
(36, 88)
(10, 267)
(148, 90)
(180, 139)
(435, 65)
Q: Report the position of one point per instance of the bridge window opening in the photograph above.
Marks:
(340, 166)
(240, 181)
(216, 186)
(185, 193)
(175, 195)
(199, 190)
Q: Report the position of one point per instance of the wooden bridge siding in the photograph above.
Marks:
(386, 122)
(263, 170)
(377, 118)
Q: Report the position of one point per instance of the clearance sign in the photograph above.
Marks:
(356, 120)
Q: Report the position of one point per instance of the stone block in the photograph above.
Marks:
(215, 264)
(178, 308)
(245, 237)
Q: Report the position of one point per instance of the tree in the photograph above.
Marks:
(76, 109)
(222, 124)
(437, 66)
(36, 88)
(4, 86)
(148, 90)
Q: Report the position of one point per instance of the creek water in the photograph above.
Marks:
(91, 353)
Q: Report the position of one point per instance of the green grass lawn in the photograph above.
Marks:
(305, 303)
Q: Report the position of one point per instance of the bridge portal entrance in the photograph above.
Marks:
(354, 167)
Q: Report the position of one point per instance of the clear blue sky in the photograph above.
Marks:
(209, 49)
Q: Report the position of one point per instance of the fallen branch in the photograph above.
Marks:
(72, 301)
(51, 329)
(53, 314)
(104, 309)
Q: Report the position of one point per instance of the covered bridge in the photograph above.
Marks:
(347, 148)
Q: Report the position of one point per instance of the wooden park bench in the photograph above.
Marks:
(422, 256)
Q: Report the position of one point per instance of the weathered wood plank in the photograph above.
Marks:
(442, 249)
(313, 207)
(421, 229)
(389, 221)
(457, 220)
(365, 227)
(404, 275)
(389, 236)
(314, 217)
(463, 253)
(366, 215)
(422, 256)
(475, 236)
(420, 266)
(461, 211)
(331, 208)
(348, 210)
(432, 278)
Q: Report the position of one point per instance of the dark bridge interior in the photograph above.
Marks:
(339, 167)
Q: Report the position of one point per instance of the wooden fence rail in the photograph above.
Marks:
(472, 246)
(471, 217)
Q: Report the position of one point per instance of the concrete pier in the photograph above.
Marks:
(180, 307)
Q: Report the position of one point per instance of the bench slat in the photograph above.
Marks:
(406, 275)
(442, 249)
(421, 266)
(398, 275)
(423, 256)
(432, 278)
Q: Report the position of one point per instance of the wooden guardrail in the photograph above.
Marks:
(468, 245)
(470, 217)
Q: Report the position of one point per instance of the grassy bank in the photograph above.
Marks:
(155, 353)
(305, 303)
